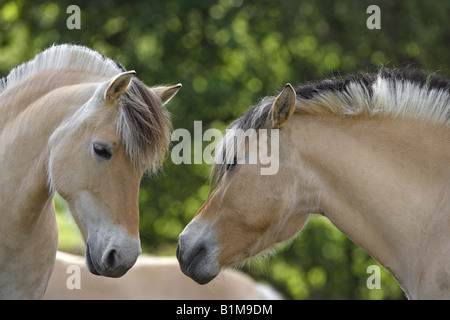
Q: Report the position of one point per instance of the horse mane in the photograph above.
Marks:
(143, 122)
(63, 57)
(405, 93)
(408, 93)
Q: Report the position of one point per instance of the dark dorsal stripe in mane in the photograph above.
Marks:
(407, 93)
(402, 92)
(311, 89)
(365, 80)
(117, 64)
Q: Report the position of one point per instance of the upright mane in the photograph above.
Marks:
(406, 93)
(143, 122)
(63, 57)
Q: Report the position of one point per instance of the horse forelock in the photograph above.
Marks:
(144, 126)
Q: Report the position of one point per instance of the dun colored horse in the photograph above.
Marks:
(371, 152)
(74, 122)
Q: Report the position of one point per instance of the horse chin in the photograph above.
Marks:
(199, 275)
(197, 252)
(202, 278)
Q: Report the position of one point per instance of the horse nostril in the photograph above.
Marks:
(111, 259)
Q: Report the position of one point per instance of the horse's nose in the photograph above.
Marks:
(114, 260)
(116, 263)
(198, 251)
(111, 259)
(194, 261)
(191, 260)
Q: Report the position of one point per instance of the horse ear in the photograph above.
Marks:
(284, 106)
(166, 93)
(118, 85)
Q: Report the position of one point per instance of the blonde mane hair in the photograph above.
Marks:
(395, 93)
(408, 93)
(143, 123)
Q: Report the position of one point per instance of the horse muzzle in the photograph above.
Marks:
(113, 261)
(197, 253)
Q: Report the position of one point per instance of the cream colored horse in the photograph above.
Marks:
(74, 122)
(371, 152)
(150, 278)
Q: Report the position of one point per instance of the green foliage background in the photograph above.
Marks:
(228, 54)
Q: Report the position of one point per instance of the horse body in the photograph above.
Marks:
(386, 187)
(67, 126)
(371, 153)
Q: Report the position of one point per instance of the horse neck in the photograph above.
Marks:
(379, 183)
(21, 96)
(32, 111)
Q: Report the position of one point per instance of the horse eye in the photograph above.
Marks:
(102, 151)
